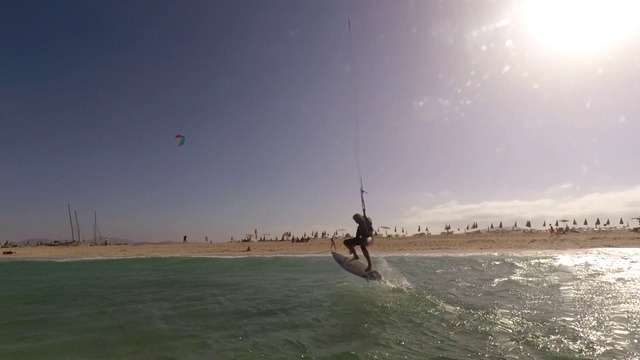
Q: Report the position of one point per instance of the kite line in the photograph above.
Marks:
(356, 150)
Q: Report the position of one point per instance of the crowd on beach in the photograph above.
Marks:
(8, 244)
(561, 227)
(557, 230)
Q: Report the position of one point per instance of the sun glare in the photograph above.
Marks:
(579, 27)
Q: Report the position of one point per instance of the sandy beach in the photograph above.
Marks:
(487, 242)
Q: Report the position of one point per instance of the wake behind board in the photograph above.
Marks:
(355, 267)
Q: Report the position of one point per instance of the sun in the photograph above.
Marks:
(580, 27)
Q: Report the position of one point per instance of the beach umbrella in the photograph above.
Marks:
(418, 228)
(621, 222)
(500, 226)
(574, 222)
(607, 223)
(544, 223)
(585, 222)
(556, 223)
(636, 218)
(528, 224)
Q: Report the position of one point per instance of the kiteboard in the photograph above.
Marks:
(355, 267)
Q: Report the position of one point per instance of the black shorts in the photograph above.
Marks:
(358, 241)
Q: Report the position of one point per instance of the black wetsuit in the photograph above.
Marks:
(362, 233)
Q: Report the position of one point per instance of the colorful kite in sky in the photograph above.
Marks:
(180, 138)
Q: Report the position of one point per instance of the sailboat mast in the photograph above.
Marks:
(95, 224)
(70, 222)
(77, 224)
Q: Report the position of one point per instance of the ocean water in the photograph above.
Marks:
(569, 305)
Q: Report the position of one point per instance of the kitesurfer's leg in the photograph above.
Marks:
(349, 243)
(366, 255)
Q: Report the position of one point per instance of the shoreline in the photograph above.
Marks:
(382, 246)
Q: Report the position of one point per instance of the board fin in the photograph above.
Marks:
(356, 267)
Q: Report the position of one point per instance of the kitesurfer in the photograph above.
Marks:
(363, 238)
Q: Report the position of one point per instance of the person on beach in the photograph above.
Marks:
(333, 245)
(363, 238)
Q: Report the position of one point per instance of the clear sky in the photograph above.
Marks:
(466, 112)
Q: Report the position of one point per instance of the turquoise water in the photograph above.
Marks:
(571, 305)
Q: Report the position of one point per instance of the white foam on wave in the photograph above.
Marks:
(155, 256)
(390, 276)
(465, 254)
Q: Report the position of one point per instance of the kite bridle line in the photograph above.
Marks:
(362, 192)
(356, 150)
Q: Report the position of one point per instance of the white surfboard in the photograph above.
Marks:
(355, 267)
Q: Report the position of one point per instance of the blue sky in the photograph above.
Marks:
(467, 112)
